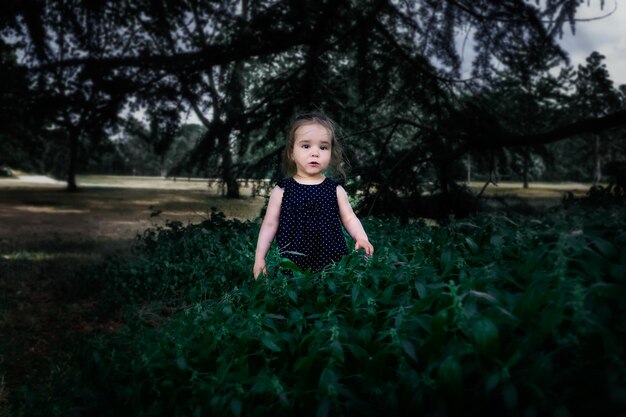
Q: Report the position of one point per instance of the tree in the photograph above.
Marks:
(150, 149)
(595, 96)
(387, 71)
(24, 112)
(86, 100)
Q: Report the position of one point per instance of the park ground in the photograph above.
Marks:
(49, 238)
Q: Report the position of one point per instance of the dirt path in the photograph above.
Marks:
(49, 238)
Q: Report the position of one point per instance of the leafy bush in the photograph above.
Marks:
(177, 263)
(493, 316)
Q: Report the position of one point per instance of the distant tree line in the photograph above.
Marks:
(389, 72)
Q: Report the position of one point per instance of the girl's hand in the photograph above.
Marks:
(365, 245)
(259, 268)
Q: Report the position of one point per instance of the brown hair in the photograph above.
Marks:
(337, 158)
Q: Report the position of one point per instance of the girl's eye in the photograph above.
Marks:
(324, 148)
(305, 146)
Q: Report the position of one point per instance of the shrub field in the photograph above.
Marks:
(491, 315)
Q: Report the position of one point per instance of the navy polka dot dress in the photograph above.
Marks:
(309, 230)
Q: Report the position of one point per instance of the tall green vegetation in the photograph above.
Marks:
(491, 315)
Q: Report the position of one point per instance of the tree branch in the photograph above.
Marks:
(590, 125)
(248, 44)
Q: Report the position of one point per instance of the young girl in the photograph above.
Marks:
(306, 211)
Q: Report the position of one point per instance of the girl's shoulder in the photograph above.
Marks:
(284, 182)
(332, 183)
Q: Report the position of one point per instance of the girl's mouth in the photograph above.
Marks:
(314, 163)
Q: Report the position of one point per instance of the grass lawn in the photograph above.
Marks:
(534, 190)
(48, 237)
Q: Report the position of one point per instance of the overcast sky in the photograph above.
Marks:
(607, 36)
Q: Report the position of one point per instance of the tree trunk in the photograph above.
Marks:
(162, 169)
(526, 167)
(597, 174)
(232, 187)
(71, 171)
(444, 178)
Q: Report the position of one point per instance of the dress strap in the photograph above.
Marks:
(282, 183)
(331, 183)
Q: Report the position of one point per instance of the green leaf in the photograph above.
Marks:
(605, 289)
(268, 342)
(551, 318)
(446, 260)
(424, 303)
(484, 296)
(533, 299)
(327, 377)
(304, 363)
(336, 351)
(421, 289)
(276, 316)
(358, 352)
(356, 291)
(235, 407)
(471, 244)
(323, 408)
(449, 373)
(497, 241)
(492, 381)
(227, 309)
(181, 362)
(387, 295)
(262, 383)
(287, 263)
(605, 247)
(439, 325)
(423, 321)
(618, 272)
(485, 336)
(510, 397)
(409, 349)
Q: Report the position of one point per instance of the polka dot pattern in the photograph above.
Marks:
(309, 230)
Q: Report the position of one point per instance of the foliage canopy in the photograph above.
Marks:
(387, 71)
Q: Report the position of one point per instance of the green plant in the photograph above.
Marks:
(492, 315)
(183, 263)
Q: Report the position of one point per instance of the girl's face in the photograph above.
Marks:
(311, 150)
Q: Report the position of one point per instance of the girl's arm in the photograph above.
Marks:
(352, 223)
(268, 231)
